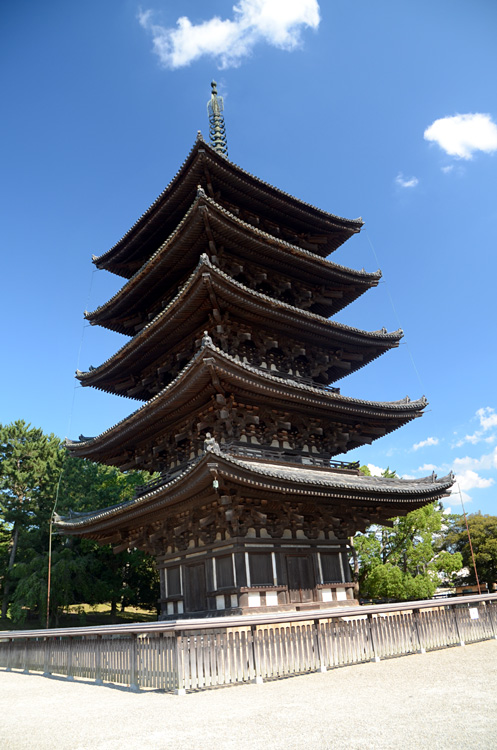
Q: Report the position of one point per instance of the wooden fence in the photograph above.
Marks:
(193, 654)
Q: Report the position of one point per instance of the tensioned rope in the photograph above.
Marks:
(78, 358)
(52, 515)
(422, 387)
(394, 309)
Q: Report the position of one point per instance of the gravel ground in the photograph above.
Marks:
(443, 699)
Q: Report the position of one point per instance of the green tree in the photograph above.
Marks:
(34, 469)
(407, 560)
(30, 464)
(483, 531)
(130, 577)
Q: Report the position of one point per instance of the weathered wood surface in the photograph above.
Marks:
(180, 656)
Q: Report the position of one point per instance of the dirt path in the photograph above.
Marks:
(444, 699)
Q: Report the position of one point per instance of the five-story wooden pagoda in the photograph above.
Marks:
(227, 301)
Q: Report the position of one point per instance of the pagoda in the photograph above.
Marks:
(228, 302)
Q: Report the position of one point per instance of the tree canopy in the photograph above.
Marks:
(35, 471)
(407, 560)
(483, 531)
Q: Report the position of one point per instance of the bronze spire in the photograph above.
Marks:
(217, 130)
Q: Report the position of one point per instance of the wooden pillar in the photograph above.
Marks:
(416, 615)
(27, 643)
(179, 666)
(456, 623)
(98, 660)
(319, 646)
(9, 654)
(69, 675)
(258, 680)
(133, 664)
(374, 638)
(46, 665)
(492, 616)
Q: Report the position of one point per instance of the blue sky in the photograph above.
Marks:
(384, 110)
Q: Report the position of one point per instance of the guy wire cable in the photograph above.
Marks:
(52, 515)
(394, 311)
(469, 537)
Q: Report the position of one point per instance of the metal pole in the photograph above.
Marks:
(49, 581)
(49, 578)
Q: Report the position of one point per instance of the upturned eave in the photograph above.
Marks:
(197, 383)
(325, 486)
(177, 256)
(188, 315)
(203, 163)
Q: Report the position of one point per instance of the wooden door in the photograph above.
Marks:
(195, 591)
(300, 578)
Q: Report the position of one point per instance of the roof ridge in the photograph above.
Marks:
(398, 483)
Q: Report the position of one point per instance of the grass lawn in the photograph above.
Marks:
(80, 615)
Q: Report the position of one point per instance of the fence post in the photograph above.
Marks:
(133, 664)
(179, 667)
(25, 668)
(69, 675)
(416, 615)
(257, 662)
(319, 647)
(458, 632)
(9, 655)
(98, 660)
(374, 645)
(490, 610)
(46, 665)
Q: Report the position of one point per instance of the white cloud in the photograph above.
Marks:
(487, 417)
(468, 473)
(488, 421)
(462, 135)
(485, 463)
(425, 443)
(404, 182)
(455, 496)
(448, 169)
(427, 467)
(276, 22)
(376, 471)
(471, 480)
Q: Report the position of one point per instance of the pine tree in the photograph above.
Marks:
(30, 464)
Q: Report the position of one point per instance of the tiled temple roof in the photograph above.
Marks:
(163, 332)
(166, 211)
(178, 254)
(195, 380)
(326, 483)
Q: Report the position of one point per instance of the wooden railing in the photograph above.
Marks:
(192, 654)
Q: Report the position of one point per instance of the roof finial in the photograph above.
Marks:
(217, 130)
